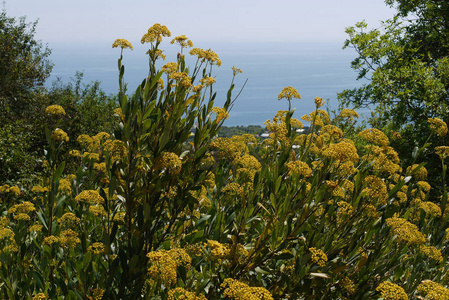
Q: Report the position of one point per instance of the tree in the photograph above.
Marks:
(406, 63)
(24, 64)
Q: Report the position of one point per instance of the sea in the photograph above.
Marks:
(315, 69)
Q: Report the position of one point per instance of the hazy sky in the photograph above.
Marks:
(87, 21)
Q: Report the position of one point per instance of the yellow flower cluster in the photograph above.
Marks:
(222, 114)
(50, 240)
(240, 291)
(375, 136)
(236, 71)
(438, 126)
(181, 293)
(69, 220)
(391, 291)
(155, 34)
(206, 55)
(122, 43)
(170, 67)
(218, 250)
(69, 238)
(182, 78)
(229, 149)
(342, 151)
(347, 284)
(319, 102)
(375, 189)
(65, 187)
(182, 41)
(60, 135)
(420, 173)
(97, 210)
(318, 118)
(207, 81)
(344, 210)
(433, 290)
(97, 294)
(97, 248)
(348, 113)
(169, 162)
(55, 110)
(22, 210)
(163, 264)
(117, 150)
(318, 256)
(432, 252)
(299, 168)
(40, 296)
(442, 151)
(331, 132)
(430, 208)
(89, 197)
(405, 231)
(35, 228)
(156, 53)
(383, 159)
(289, 93)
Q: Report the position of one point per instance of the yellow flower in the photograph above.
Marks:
(50, 240)
(342, 151)
(319, 102)
(433, 290)
(405, 231)
(169, 162)
(15, 190)
(97, 248)
(420, 174)
(65, 187)
(59, 135)
(289, 93)
(156, 53)
(221, 113)
(182, 78)
(89, 197)
(432, 252)
(182, 41)
(69, 220)
(236, 71)
(181, 293)
(318, 256)
(375, 136)
(55, 110)
(163, 264)
(442, 151)
(206, 55)
(299, 168)
(207, 81)
(69, 238)
(40, 296)
(438, 126)
(35, 227)
(155, 34)
(169, 68)
(348, 113)
(122, 43)
(391, 291)
(238, 290)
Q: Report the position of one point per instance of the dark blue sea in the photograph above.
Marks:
(315, 69)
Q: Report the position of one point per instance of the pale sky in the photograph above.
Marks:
(87, 21)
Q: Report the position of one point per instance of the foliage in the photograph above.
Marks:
(406, 67)
(24, 65)
(149, 214)
(230, 131)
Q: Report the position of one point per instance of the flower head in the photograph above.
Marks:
(155, 34)
(60, 135)
(289, 93)
(55, 110)
(122, 43)
(438, 126)
(182, 41)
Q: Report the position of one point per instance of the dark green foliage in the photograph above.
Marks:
(24, 65)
